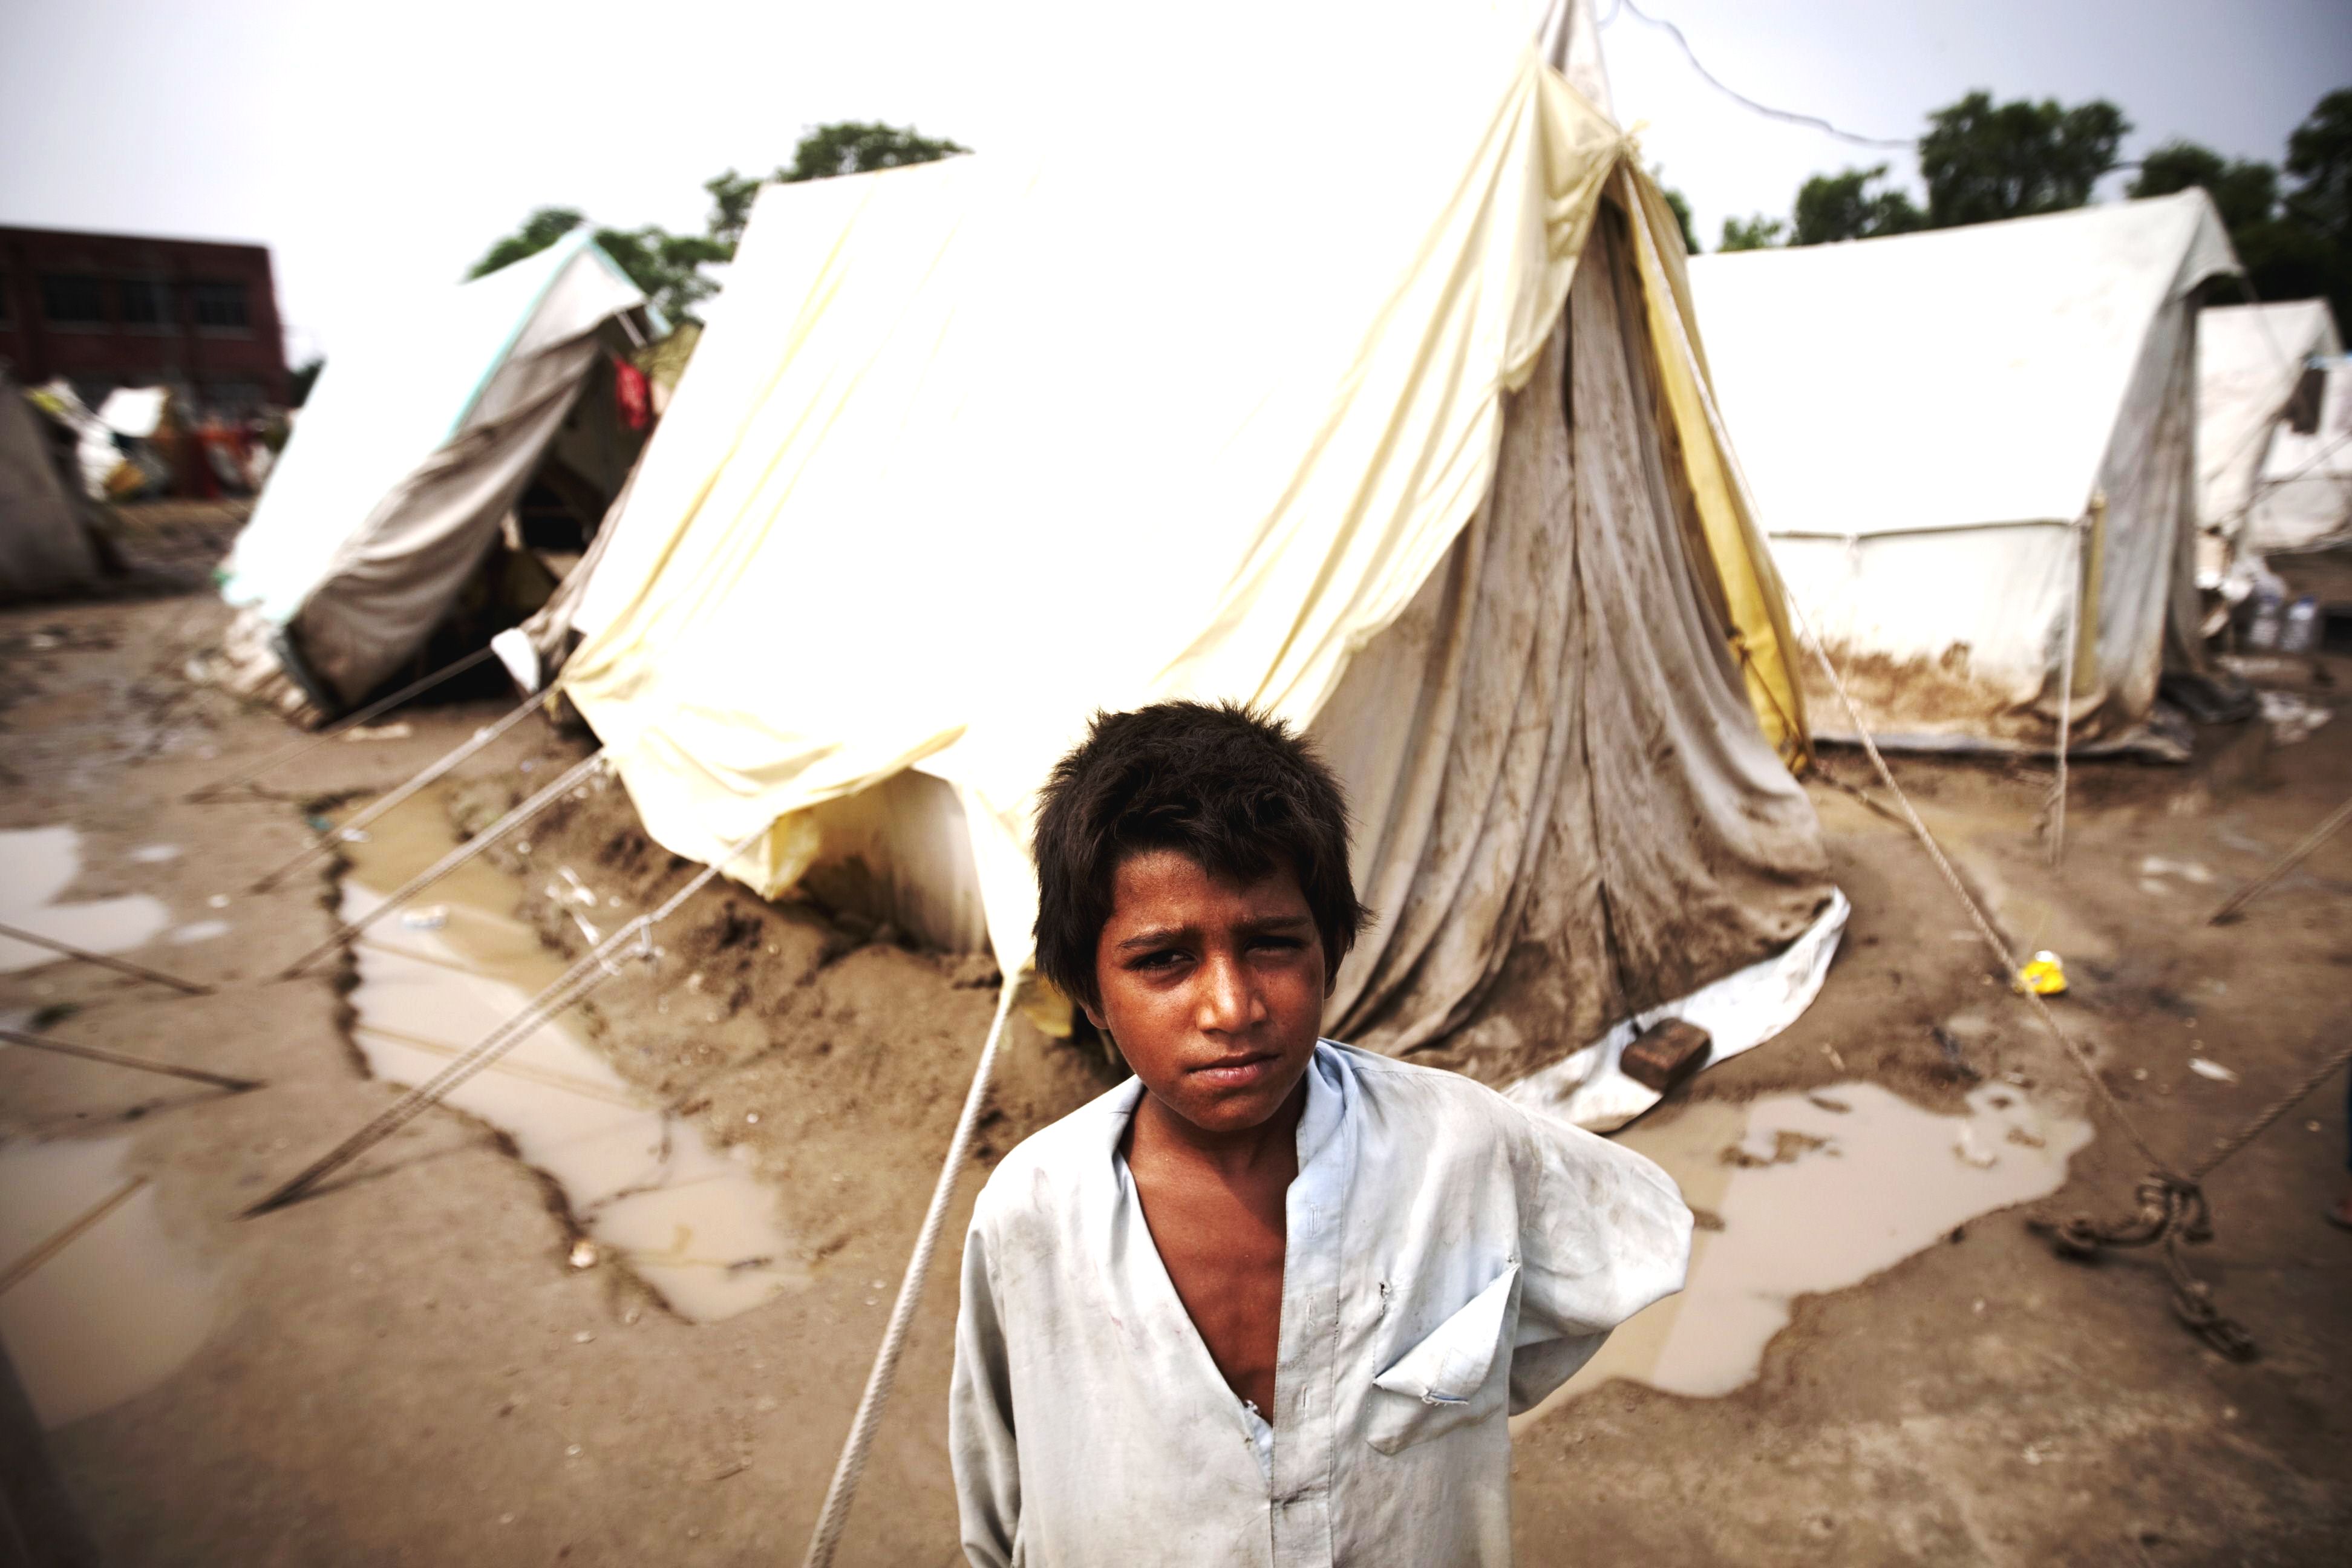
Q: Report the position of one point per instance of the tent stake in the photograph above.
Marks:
(117, 1059)
(2283, 865)
(447, 863)
(431, 775)
(374, 711)
(186, 987)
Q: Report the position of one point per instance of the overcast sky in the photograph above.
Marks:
(373, 147)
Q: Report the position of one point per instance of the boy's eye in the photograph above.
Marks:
(1164, 958)
(1278, 943)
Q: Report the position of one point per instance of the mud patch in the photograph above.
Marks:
(696, 1226)
(96, 1304)
(1798, 1194)
(38, 864)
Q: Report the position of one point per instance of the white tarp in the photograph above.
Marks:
(1926, 419)
(422, 430)
(2304, 502)
(47, 549)
(2250, 359)
(972, 449)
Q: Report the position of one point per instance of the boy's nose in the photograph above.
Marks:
(1228, 1004)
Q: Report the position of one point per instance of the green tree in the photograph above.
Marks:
(1984, 161)
(2314, 238)
(857, 146)
(1843, 207)
(2246, 193)
(669, 267)
(1680, 207)
(1757, 233)
(305, 377)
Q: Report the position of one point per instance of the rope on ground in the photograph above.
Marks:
(851, 1466)
(17, 1271)
(373, 711)
(474, 847)
(433, 772)
(2173, 1210)
(2282, 866)
(139, 971)
(574, 983)
(118, 1058)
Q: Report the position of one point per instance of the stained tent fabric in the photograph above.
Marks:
(2250, 361)
(419, 436)
(2305, 499)
(48, 548)
(1926, 419)
(971, 450)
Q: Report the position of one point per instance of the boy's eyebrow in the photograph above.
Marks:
(1160, 936)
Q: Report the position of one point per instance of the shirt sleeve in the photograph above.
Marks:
(980, 1442)
(1603, 1232)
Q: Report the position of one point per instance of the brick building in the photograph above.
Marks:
(110, 310)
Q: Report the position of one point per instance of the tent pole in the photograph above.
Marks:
(373, 711)
(117, 1059)
(431, 773)
(826, 1537)
(467, 851)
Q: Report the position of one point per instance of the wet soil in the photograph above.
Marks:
(407, 1367)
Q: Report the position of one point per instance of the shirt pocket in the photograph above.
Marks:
(1451, 1379)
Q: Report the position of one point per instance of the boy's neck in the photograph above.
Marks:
(1236, 1154)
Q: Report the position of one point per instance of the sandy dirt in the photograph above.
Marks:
(403, 1368)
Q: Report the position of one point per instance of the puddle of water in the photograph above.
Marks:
(697, 1227)
(36, 865)
(1812, 1198)
(115, 1309)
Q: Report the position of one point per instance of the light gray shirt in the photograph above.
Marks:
(1452, 1257)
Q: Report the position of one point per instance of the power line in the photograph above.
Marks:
(1812, 120)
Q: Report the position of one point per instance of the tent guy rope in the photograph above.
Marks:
(563, 784)
(373, 711)
(136, 970)
(432, 774)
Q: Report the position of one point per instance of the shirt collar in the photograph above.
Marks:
(1326, 1108)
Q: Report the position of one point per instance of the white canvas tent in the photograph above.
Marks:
(47, 546)
(1405, 449)
(1927, 420)
(413, 448)
(2250, 361)
(2305, 499)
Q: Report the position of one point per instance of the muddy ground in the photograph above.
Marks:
(403, 1368)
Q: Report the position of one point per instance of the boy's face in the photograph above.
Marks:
(1212, 989)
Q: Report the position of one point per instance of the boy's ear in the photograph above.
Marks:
(1095, 1017)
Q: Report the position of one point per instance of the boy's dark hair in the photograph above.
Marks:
(1238, 793)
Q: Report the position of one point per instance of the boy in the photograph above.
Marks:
(1270, 1300)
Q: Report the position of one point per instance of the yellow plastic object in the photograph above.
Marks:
(2044, 976)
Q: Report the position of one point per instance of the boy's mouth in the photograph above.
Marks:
(1237, 1071)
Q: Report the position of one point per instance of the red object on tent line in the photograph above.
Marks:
(631, 391)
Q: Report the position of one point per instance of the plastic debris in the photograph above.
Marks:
(2213, 1070)
(1970, 1151)
(217, 901)
(2044, 976)
(584, 1254)
(433, 917)
(380, 732)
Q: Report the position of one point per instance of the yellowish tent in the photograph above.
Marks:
(1408, 449)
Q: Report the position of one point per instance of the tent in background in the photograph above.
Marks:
(2251, 360)
(1925, 420)
(2305, 499)
(1401, 444)
(49, 546)
(488, 410)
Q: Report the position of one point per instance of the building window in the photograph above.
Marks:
(70, 299)
(220, 305)
(146, 303)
